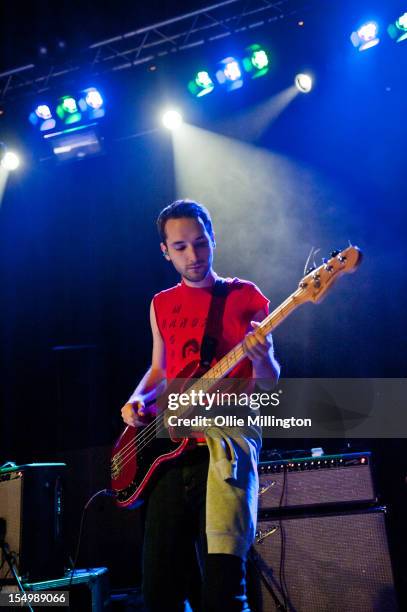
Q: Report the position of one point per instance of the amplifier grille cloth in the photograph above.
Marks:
(332, 564)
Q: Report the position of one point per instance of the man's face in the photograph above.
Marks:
(189, 247)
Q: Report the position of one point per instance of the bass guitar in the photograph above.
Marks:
(139, 452)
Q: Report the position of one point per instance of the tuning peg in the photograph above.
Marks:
(335, 252)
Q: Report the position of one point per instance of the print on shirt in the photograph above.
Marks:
(190, 347)
(182, 312)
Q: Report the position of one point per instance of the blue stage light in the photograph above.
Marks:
(48, 124)
(366, 36)
(230, 73)
(43, 112)
(368, 31)
(42, 118)
(91, 103)
(93, 98)
(232, 70)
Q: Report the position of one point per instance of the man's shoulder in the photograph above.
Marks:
(247, 295)
(240, 284)
(167, 293)
(234, 284)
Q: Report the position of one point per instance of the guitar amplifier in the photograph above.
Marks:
(31, 509)
(314, 481)
(322, 563)
(88, 589)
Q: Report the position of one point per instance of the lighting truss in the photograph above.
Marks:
(153, 42)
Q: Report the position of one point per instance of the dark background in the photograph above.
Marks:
(79, 257)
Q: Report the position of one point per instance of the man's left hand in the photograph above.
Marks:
(257, 346)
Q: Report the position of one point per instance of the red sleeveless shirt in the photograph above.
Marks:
(181, 314)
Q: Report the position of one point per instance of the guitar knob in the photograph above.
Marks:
(317, 281)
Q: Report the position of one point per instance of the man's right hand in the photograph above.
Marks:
(135, 413)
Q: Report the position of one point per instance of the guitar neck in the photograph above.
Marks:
(237, 354)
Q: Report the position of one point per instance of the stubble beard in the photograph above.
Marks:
(198, 276)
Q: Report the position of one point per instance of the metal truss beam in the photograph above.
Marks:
(151, 43)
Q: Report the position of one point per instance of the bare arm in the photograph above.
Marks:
(151, 383)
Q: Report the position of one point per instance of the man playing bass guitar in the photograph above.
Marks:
(201, 509)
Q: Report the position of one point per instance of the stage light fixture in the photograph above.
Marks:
(366, 36)
(10, 161)
(303, 82)
(67, 110)
(398, 29)
(260, 59)
(42, 118)
(232, 70)
(229, 73)
(69, 105)
(91, 103)
(93, 98)
(43, 111)
(202, 84)
(256, 61)
(172, 119)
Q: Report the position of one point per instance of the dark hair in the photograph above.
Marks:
(184, 208)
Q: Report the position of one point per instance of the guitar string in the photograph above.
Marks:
(145, 435)
(148, 436)
(152, 426)
(151, 429)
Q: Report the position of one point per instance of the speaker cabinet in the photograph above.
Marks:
(325, 563)
(31, 506)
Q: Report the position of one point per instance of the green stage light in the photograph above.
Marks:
(67, 110)
(398, 29)
(256, 61)
(69, 105)
(260, 59)
(201, 85)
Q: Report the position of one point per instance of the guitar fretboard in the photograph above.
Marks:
(235, 356)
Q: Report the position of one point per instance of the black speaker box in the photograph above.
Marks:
(31, 504)
(323, 563)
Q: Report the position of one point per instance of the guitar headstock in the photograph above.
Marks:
(314, 286)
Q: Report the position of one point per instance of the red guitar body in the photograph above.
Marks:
(138, 454)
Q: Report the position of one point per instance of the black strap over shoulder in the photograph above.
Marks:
(213, 328)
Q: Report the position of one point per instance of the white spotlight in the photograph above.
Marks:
(303, 83)
(172, 119)
(10, 161)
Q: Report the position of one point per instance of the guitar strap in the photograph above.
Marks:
(213, 328)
